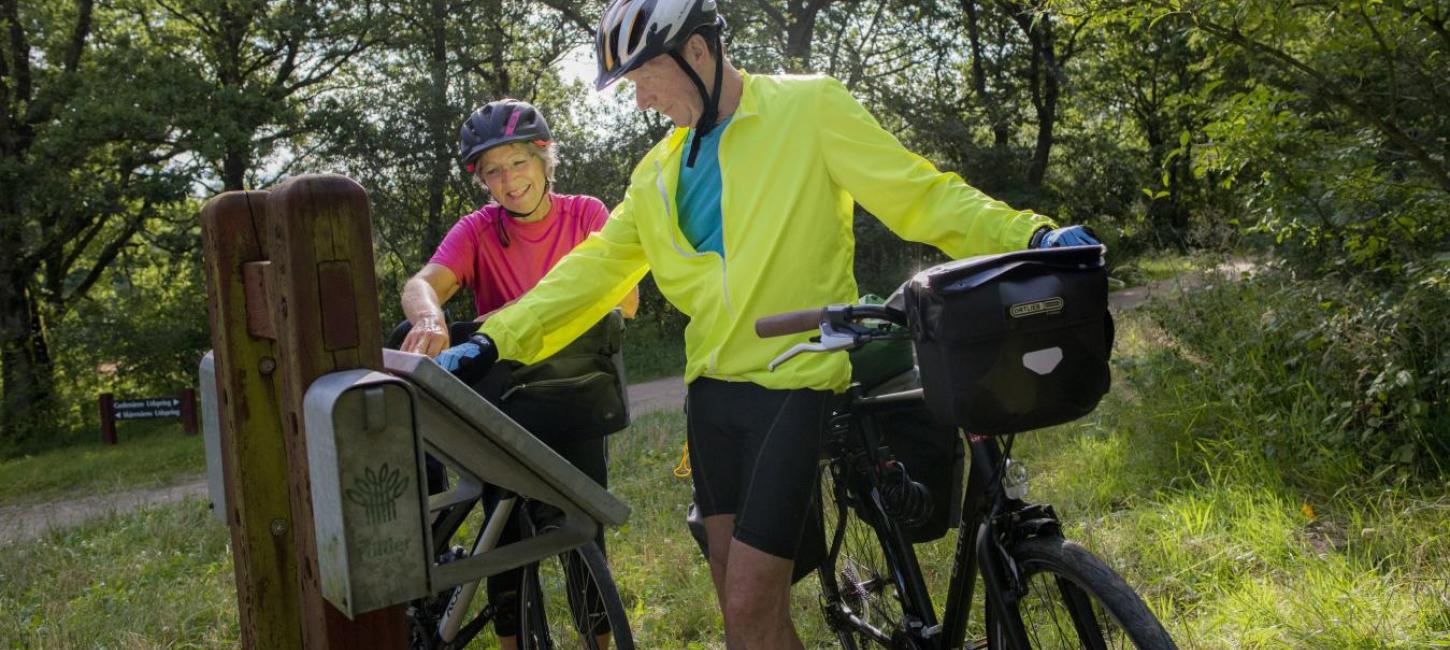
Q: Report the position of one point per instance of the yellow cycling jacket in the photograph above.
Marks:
(796, 154)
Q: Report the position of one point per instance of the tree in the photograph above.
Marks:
(263, 67)
(87, 156)
(1334, 115)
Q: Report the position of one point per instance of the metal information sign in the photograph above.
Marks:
(150, 407)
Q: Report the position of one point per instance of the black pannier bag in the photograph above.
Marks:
(933, 453)
(934, 456)
(576, 394)
(1013, 342)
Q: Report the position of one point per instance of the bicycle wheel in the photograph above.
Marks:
(571, 602)
(1073, 600)
(860, 596)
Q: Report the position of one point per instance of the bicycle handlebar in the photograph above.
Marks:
(790, 322)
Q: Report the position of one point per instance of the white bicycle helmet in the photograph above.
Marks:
(634, 31)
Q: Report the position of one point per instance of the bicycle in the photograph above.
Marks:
(1040, 590)
(569, 602)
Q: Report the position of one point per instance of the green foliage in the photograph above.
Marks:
(1331, 379)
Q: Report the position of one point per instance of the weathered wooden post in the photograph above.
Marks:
(293, 296)
(325, 312)
(254, 459)
(188, 411)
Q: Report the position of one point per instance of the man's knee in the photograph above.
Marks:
(757, 585)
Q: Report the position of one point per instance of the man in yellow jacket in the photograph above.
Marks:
(744, 211)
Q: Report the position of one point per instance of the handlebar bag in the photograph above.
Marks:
(1013, 342)
(576, 394)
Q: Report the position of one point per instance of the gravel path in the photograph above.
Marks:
(29, 521)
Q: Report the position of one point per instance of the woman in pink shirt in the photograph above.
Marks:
(500, 252)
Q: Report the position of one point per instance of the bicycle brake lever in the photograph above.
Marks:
(828, 343)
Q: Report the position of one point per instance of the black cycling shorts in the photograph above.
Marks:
(754, 453)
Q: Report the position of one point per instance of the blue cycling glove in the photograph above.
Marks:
(1069, 236)
(469, 360)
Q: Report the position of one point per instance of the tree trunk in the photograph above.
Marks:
(799, 31)
(25, 374)
(1043, 48)
(1000, 133)
(440, 128)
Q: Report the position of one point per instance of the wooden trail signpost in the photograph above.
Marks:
(292, 295)
(180, 406)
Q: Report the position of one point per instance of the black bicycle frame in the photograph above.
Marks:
(977, 549)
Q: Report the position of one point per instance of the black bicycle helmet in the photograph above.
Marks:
(500, 122)
(634, 31)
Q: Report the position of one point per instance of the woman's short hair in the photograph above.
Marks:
(544, 153)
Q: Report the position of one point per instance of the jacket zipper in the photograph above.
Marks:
(674, 240)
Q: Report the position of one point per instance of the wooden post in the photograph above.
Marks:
(188, 411)
(254, 457)
(324, 294)
(107, 405)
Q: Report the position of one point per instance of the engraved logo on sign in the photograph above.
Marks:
(1036, 308)
(377, 492)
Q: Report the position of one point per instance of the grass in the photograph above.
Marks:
(148, 454)
(161, 577)
(1228, 548)
(1152, 268)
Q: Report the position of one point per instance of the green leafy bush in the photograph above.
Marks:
(1332, 376)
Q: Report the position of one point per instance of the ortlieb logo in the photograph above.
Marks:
(1036, 308)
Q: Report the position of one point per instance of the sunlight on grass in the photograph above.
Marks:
(157, 577)
(148, 455)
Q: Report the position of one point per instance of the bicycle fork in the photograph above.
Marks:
(980, 549)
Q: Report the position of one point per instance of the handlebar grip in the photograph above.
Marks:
(790, 322)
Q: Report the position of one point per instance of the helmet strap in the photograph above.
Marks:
(708, 116)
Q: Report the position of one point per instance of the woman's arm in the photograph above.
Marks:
(423, 298)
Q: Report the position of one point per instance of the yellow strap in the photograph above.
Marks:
(683, 469)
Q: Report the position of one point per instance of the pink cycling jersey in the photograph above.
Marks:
(496, 273)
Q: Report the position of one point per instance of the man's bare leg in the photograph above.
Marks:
(719, 532)
(757, 607)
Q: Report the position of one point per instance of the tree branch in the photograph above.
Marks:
(773, 14)
(108, 255)
(567, 8)
(1325, 87)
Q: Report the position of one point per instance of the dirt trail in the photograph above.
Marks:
(29, 521)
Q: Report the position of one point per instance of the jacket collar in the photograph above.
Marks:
(746, 109)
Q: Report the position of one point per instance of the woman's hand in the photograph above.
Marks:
(422, 296)
(429, 336)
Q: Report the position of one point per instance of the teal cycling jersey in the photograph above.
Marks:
(699, 196)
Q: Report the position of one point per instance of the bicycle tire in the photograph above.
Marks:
(859, 592)
(554, 611)
(1072, 599)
